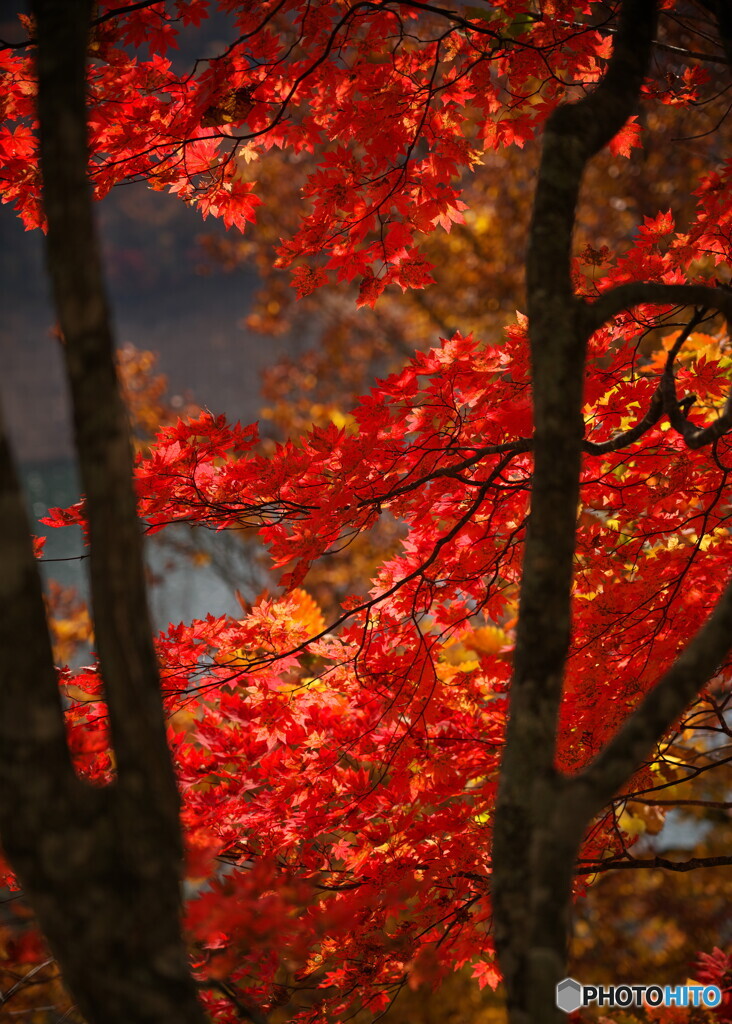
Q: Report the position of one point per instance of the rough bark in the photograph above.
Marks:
(534, 851)
(541, 815)
(100, 866)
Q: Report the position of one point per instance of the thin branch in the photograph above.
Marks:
(107, 16)
(722, 11)
(664, 863)
(22, 982)
(680, 51)
(246, 1011)
(711, 805)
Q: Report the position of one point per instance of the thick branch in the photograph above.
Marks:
(651, 293)
(695, 437)
(632, 434)
(625, 297)
(636, 739)
(677, 412)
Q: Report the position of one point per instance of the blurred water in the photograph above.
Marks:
(181, 590)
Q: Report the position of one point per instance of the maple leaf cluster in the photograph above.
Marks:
(404, 110)
(339, 778)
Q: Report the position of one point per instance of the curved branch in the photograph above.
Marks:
(652, 293)
(695, 437)
(626, 296)
(651, 418)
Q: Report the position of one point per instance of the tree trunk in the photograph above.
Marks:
(535, 845)
(100, 866)
(542, 816)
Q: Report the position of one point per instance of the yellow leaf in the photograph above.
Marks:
(487, 640)
(305, 611)
(457, 655)
(631, 824)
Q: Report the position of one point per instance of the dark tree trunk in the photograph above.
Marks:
(100, 866)
(541, 816)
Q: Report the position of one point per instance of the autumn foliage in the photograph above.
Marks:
(339, 774)
(360, 766)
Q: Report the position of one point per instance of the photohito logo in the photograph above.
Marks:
(571, 995)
